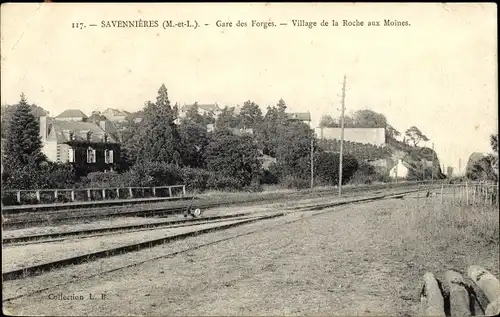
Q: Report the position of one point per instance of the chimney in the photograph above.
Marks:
(102, 124)
(43, 127)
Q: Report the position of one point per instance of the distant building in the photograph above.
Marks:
(89, 145)
(116, 115)
(400, 170)
(449, 172)
(237, 131)
(71, 115)
(299, 116)
(213, 109)
(373, 136)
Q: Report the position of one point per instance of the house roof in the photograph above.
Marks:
(72, 113)
(116, 112)
(61, 130)
(302, 116)
(207, 107)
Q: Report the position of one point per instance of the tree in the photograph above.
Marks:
(8, 110)
(234, 156)
(294, 142)
(250, 115)
(194, 140)
(226, 119)
(328, 121)
(23, 146)
(369, 119)
(494, 142)
(391, 132)
(157, 137)
(415, 135)
(281, 111)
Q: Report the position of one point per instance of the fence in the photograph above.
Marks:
(466, 193)
(47, 196)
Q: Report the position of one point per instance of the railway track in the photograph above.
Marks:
(38, 269)
(60, 217)
(60, 236)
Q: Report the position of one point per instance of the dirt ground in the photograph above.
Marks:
(356, 260)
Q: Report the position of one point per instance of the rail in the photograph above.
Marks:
(51, 196)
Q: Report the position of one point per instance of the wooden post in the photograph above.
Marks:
(183, 190)
(38, 196)
(72, 195)
(55, 194)
(442, 193)
(131, 194)
(467, 193)
(104, 193)
(89, 195)
(143, 192)
(154, 191)
(18, 196)
(474, 193)
(118, 193)
(486, 195)
(169, 191)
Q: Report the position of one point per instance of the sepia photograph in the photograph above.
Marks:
(249, 159)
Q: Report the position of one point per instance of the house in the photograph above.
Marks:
(90, 146)
(373, 136)
(400, 170)
(71, 115)
(213, 109)
(299, 116)
(242, 131)
(115, 115)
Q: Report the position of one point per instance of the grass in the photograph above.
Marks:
(450, 223)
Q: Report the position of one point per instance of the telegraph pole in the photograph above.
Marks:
(342, 137)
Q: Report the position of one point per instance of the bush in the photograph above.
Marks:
(269, 178)
(195, 179)
(294, 182)
(221, 182)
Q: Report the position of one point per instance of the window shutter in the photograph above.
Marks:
(71, 155)
(106, 159)
(110, 159)
(93, 156)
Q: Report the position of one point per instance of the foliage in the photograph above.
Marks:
(233, 156)
(226, 119)
(415, 135)
(369, 119)
(328, 121)
(360, 151)
(250, 115)
(494, 142)
(7, 112)
(326, 168)
(157, 138)
(392, 133)
(23, 146)
(48, 175)
(194, 140)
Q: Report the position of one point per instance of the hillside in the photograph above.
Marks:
(385, 157)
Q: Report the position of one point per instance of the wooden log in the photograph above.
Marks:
(486, 281)
(431, 299)
(459, 296)
(493, 308)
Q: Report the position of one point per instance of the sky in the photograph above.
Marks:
(439, 73)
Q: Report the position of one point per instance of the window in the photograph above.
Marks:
(91, 155)
(108, 156)
(71, 155)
